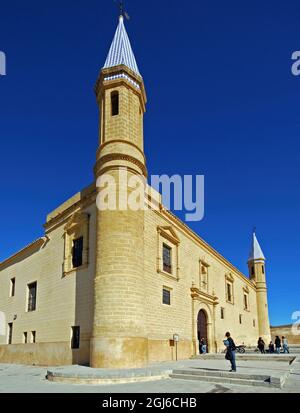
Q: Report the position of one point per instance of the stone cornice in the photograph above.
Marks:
(170, 217)
(199, 295)
(64, 215)
(101, 84)
(103, 145)
(120, 157)
(169, 233)
(33, 246)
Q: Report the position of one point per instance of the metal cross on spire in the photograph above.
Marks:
(122, 9)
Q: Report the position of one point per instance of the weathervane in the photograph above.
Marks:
(254, 230)
(122, 9)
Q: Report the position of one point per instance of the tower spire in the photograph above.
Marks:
(121, 52)
(256, 252)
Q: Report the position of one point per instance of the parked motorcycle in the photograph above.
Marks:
(240, 349)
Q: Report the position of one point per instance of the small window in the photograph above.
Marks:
(25, 338)
(32, 296)
(252, 270)
(10, 333)
(167, 259)
(246, 305)
(75, 339)
(253, 323)
(240, 318)
(222, 313)
(263, 269)
(12, 287)
(33, 336)
(229, 292)
(77, 252)
(115, 103)
(166, 296)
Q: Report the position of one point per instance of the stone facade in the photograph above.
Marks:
(116, 293)
(293, 337)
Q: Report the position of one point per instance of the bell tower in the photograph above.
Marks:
(257, 273)
(119, 338)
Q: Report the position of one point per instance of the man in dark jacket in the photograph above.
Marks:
(277, 344)
(230, 353)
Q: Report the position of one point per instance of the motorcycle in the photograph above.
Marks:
(240, 349)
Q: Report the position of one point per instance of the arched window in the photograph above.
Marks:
(114, 103)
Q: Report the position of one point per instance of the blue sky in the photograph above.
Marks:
(221, 102)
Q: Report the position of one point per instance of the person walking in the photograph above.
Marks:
(277, 344)
(230, 352)
(271, 348)
(261, 345)
(285, 345)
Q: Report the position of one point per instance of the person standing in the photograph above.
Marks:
(203, 346)
(271, 348)
(285, 345)
(277, 344)
(200, 343)
(261, 345)
(230, 353)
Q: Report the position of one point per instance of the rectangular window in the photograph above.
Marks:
(115, 103)
(229, 292)
(75, 339)
(240, 318)
(253, 323)
(12, 287)
(77, 252)
(33, 336)
(166, 296)
(10, 333)
(246, 305)
(167, 258)
(32, 296)
(263, 269)
(222, 313)
(25, 338)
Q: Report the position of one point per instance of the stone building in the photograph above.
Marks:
(289, 331)
(111, 288)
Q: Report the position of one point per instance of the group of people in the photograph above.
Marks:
(231, 348)
(274, 347)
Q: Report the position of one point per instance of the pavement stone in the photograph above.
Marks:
(32, 379)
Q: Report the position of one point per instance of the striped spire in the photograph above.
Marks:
(120, 52)
(255, 250)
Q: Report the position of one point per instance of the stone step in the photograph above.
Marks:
(220, 373)
(210, 379)
(228, 377)
(289, 358)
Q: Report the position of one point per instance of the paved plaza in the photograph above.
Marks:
(32, 379)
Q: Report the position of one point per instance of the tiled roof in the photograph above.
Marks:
(120, 52)
(255, 250)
